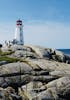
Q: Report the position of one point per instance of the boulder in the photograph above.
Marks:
(9, 94)
(14, 68)
(41, 52)
(60, 73)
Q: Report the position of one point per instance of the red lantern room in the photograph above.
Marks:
(19, 22)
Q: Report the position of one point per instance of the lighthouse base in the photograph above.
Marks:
(17, 42)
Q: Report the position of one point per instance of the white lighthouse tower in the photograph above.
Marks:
(19, 33)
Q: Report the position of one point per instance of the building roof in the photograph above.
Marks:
(19, 20)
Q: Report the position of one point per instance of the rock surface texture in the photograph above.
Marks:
(34, 73)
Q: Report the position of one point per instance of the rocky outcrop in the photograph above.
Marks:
(34, 73)
(35, 52)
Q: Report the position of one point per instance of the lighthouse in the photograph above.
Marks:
(18, 39)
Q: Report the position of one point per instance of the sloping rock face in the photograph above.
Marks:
(34, 73)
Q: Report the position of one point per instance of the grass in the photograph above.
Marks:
(6, 53)
(8, 59)
(4, 57)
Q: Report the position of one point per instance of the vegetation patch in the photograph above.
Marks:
(8, 59)
(6, 53)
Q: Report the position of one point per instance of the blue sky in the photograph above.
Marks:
(46, 22)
